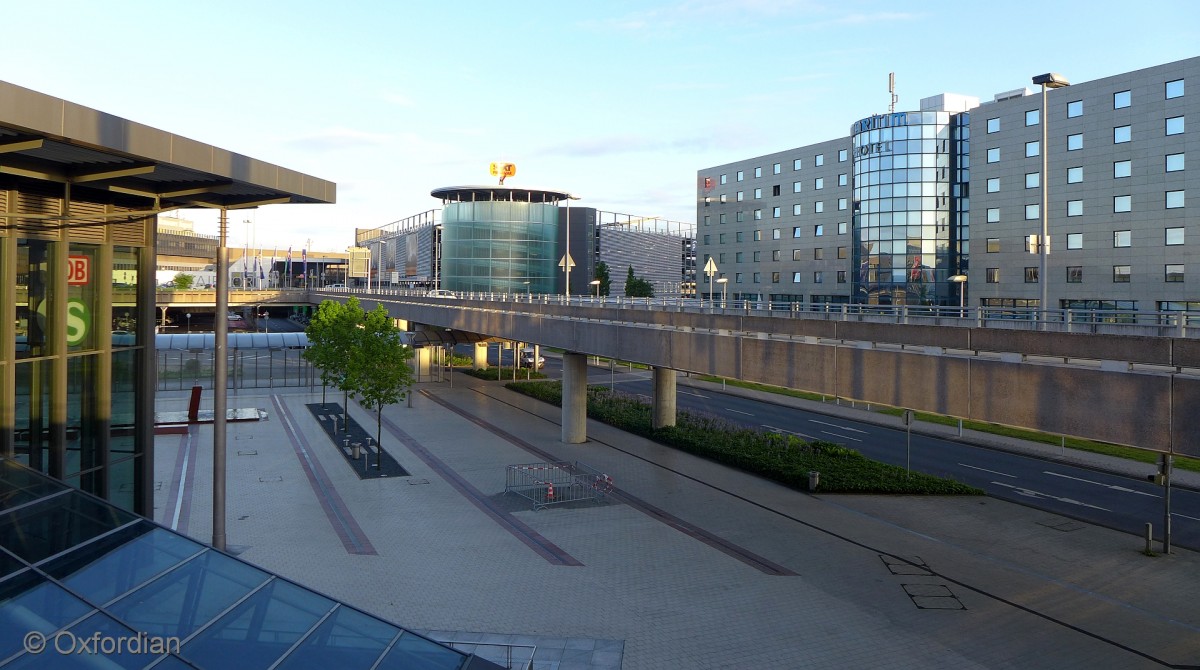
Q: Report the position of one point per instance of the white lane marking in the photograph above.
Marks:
(844, 437)
(698, 395)
(773, 429)
(728, 409)
(1184, 516)
(1002, 474)
(1107, 486)
(853, 430)
(187, 456)
(1038, 494)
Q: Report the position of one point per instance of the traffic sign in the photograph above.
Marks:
(710, 268)
(562, 263)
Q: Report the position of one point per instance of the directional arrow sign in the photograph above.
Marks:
(565, 260)
(710, 268)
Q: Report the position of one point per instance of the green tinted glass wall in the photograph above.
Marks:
(499, 246)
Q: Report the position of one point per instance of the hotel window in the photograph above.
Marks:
(796, 164)
(776, 212)
(1174, 272)
(818, 254)
(843, 252)
(707, 240)
(1122, 203)
(1121, 274)
(706, 221)
(1074, 240)
(993, 125)
(776, 233)
(1075, 142)
(819, 230)
(1175, 89)
(740, 176)
(1122, 169)
(842, 155)
(1032, 116)
(757, 277)
(721, 238)
(842, 179)
(993, 185)
(992, 275)
(993, 215)
(775, 190)
(757, 172)
(758, 215)
(993, 245)
(758, 236)
(1074, 109)
(1074, 175)
(777, 168)
(1031, 275)
(741, 216)
(1122, 238)
(795, 277)
(818, 277)
(741, 195)
(758, 194)
(1032, 212)
(721, 258)
(795, 232)
(1175, 125)
(1074, 208)
(993, 155)
(1033, 179)
(842, 203)
(1122, 134)
(796, 187)
(1174, 236)
(722, 220)
(774, 254)
(724, 179)
(1174, 199)
(819, 160)
(819, 183)
(819, 206)
(841, 227)
(737, 277)
(739, 257)
(1033, 149)
(796, 209)
(841, 276)
(1121, 99)
(1075, 274)
(797, 254)
(774, 277)
(1175, 162)
(724, 198)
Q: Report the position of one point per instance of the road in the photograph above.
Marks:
(1115, 501)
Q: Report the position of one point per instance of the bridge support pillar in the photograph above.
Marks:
(574, 398)
(664, 397)
(481, 352)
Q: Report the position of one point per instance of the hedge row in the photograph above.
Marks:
(783, 458)
(499, 374)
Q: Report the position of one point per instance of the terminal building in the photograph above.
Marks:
(511, 240)
(888, 214)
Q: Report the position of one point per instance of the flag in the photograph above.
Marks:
(258, 266)
(287, 266)
(304, 255)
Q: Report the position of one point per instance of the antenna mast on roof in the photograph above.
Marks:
(892, 90)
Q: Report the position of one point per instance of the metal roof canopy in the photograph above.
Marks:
(50, 139)
(498, 193)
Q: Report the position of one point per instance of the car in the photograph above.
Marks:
(236, 322)
(335, 286)
(527, 359)
(440, 293)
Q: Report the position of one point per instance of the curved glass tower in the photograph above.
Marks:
(910, 207)
(499, 239)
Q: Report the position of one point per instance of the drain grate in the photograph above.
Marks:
(906, 566)
(933, 597)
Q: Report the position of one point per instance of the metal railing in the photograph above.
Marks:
(554, 483)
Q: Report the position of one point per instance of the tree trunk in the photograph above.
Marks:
(379, 436)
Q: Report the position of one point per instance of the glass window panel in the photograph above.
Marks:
(414, 651)
(188, 597)
(1175, 125)
(1175, 162)
(1122, 134)
(1174, 272)
(1121, 99)
(1175, 236)
(1175, 199)
(1075, 142)
(347, 639)
(28, 603)
(1122, 203)
(1174, 89)
(21, 485)
(1122, 238)
(993, 155)
(52, 526)
(120, 562)
(124, 296)
(993, 215)
(1074, 208)
(1122, 169)
(993, 125)
(1075, 241)
(103, 628)
(35, 259)
(1033, 149)
(1033, 179)
(1074, 175)
(1074, 108)
(1032, 116)
(1121, 274)
(993, 185)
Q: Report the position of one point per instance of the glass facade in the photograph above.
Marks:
(910, 207)
(499, 245)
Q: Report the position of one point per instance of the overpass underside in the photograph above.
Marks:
(1132, 390)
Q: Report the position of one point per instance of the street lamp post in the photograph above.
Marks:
(596, 283)
(724, 282)
(961, 280)
(1048, 80)
(264, 315)
(527, 294)
(567, 256)
(189, 320)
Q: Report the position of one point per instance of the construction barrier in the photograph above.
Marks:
(545, 484)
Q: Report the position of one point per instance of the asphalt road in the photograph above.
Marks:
(1114, 501)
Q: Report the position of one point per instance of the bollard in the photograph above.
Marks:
(357, 451)
(1149, 538)
(814, 478)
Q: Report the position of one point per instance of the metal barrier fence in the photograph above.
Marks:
(554, 483)
(180, 369)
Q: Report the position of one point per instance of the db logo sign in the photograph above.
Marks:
(79, 270)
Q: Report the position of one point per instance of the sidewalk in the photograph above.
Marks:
(693, 565)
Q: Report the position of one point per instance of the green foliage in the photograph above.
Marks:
(783, 458)
(636, 287)
(182, 281)
(331, 334)
(497, 374)
(379, 369)
(602, 275)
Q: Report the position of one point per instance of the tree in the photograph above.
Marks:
(602, 275)
(379, 369)
(182, 281)
(635, 287)
(331, 334)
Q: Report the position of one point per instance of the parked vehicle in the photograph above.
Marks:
(440, 293)
(528, 359)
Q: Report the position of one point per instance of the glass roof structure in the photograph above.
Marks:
(99, 587)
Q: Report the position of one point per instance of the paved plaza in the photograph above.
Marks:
(685, 564)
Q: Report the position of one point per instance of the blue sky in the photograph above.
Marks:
(619, 102)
